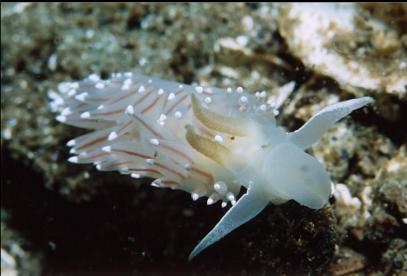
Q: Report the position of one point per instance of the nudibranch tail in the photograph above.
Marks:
(247, 207)
(313, 129)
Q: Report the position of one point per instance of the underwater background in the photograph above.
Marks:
(62, 219)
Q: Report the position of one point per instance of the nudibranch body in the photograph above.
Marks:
(203, 140)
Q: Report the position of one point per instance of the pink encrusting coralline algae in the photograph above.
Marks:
(203, 140)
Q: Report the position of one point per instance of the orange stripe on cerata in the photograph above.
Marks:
(96, 99)
(93, 142)
(90, 84)
(176, 104)
(133, 153)
(169, 182)
(121, 109)
(110, 112)
(113, 165)
(139, 101)
(165, 103)
(148, 127)
(122, 97)
(93, 156)
(174, 150)
(170, 170)
(205, 174)
(78, 107)
(151, 105)
(207, 93)
(125, 125)
(144, 170)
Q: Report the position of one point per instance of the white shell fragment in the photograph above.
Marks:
(347, 43)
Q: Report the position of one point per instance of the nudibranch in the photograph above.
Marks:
(203, 140)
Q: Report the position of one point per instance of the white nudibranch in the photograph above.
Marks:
(203, 140)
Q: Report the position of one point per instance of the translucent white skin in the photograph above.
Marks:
(287, 172)
(203, 140)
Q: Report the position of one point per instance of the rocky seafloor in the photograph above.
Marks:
(62, 219)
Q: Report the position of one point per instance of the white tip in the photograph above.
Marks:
(81, 97)
(224, 204)
(61, 118)
(98, 167)
(128, 82)
(135, 175)
(194, 196)
(221, 187)
(125, 87)
(71, 92)
(239, 90)
(100, 85)
(73, 159)
(66, 111)
(199, 89)
(229, 90)
(178, 114)
(129, 110)
(208, 100)
(161, 120)
(171, 96)
(263, 107)
(154, 142)
(141, 89)
(74, 85)
(231, 197)
(53, 95)
(72, 151)
(156, 183)
(85, 115)
(63, 87)
(94, 77)
(71, 143)
(150, 161)
(210, 201)
(162, 117)
(112, 136)
(107, 149)
(218, 138)
(100, 107)
(160, 91)
(243, 99)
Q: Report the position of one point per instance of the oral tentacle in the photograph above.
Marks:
(315, 127)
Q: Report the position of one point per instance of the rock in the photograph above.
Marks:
(347, 43)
